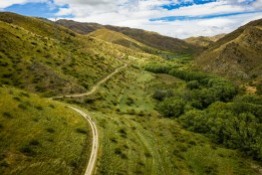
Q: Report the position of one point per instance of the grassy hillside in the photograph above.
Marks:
(237, 56)
(79, 27)
(38, 135)
(204, 41)
(42, 57)
(151, 39)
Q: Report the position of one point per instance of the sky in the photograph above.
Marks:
(175, 18)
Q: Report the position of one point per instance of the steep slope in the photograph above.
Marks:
(121, 39)
(43, 57)
(151, 39)
(204, 41)
(40, 136)
(238, 55)
(82, 28)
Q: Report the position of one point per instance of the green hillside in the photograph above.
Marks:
(42, 57)
(79, 27)
(237, 56)
(39, 135)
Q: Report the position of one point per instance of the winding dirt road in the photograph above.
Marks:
(94, 88)
(95, 143)
(93, 156)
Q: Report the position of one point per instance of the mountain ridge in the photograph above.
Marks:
(151, 39)
(204, 41)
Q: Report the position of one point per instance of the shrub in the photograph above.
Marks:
(27, 150)
(194, 84)
(81, 131)
(129, 101)
(34, 142)
(7, 115)
(50, 130)
(160, 95)
(157, 68)
(171, 107)
(188, 75)
(40, 108)
(22, 106)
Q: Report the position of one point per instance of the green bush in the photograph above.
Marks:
(172, 107)
(160, 95)
(81, 131)
(157, 68)
(194, 84)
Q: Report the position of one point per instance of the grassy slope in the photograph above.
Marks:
(121, 39)
(204, 41)
(38, 135)
(237, 55)
(136, 140)
(41, 57)
(129, 43)
(79, 27)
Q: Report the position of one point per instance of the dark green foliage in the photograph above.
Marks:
(172, 107)
(189, 75)
(129, 101)
(157, 68)
(236, 125)
(34, 142)
(160, 95)
(194, 84)
(203, 89)
(40, 108)
(7, 115)
(210, 110)
(22, 106)
(259, 89)
(81, 131)
(50, 130)
(28, 151)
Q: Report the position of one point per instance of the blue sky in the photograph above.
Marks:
(33, 9)
(176, 18)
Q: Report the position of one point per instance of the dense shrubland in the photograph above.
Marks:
(213, 106)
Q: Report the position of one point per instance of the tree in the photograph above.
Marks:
(172, 107)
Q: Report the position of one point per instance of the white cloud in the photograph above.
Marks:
(137, 13)
(257, 4)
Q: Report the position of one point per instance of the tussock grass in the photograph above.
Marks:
(38, 135)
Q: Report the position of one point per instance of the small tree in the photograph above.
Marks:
(171, 107)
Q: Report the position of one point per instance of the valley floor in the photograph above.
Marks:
(135, 139)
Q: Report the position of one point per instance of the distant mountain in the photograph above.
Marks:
(237, 56)
(151, 39)
(204, 41)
